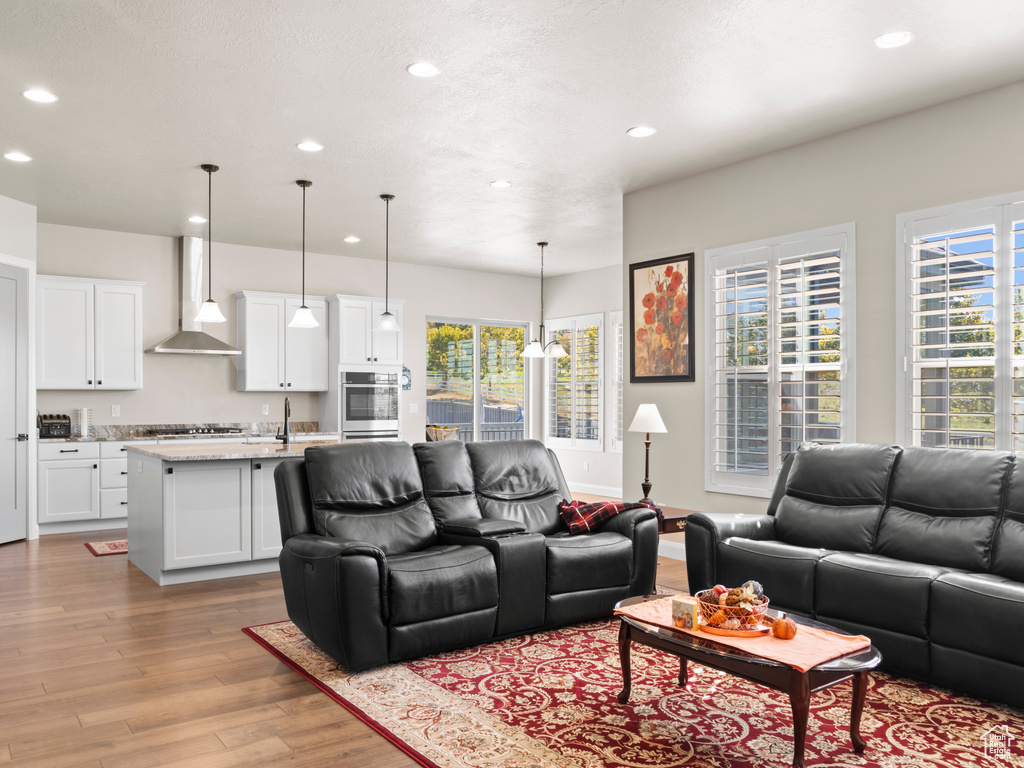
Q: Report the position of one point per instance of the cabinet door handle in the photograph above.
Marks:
(95, 466)
(257, 465)
(124, 449)
(367, 360)
(89, 381)
(281, 384)
(124, 473)
(170, 470)
(375, 359)
(100, 381)
(124, 503)
(289, 383)
(69, 450)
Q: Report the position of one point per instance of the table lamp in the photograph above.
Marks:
(647, 420)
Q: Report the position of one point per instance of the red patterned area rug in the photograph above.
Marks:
(549, 700)
(102, 548)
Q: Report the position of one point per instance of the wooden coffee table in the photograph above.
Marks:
(773, 674)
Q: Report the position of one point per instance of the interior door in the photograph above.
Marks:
(13, 403)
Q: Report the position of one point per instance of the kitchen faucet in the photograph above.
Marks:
(286, 437)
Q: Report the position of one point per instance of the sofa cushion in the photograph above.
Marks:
(785, 571)
(834, 496)
(980, 613)
(1008, 546)
(944, 507)
(442, 581)
(590, 561)
(394, 531)
(517, 480)
(876, 591)
(447, 480)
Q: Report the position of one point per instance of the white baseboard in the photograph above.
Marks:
(597, 490)
(672, 549)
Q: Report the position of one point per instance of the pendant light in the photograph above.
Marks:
(303, 316)
(209, 312)
(538, 348)
(387, 322)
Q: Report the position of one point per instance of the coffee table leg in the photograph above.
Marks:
(624, 643)
(682, 672)
(800, 701)
(860, 689)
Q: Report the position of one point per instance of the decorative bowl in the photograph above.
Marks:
(718, 615)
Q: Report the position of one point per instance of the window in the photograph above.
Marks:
(475, 378)
(616, 397)
(779, 332)
(573, 413)
(961, 326)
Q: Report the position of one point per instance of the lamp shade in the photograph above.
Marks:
(533, 349)
(387, 322)
(209, 312)
(555, 349)
(303, 318)
(647, 419)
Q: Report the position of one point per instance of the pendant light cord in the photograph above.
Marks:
(303, 246)
(209, 231)
(387, 255)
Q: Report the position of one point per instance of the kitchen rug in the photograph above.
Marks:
(548, 699)
(102, 548)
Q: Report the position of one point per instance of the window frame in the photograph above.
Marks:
(616, 431)
(1000, 211)
(773, 251)
(573, 323)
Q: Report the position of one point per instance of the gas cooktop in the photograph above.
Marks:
(189, 431)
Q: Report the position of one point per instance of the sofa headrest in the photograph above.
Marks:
(842, 475)
(362, 476)
(1013, 501)
(512, 469)
(952, 483)
(445, 468)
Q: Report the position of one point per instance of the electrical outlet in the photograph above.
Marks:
(586, 466)
(266, 409)
(115, 410)
(414, 407)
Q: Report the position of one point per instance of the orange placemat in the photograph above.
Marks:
(808, 649)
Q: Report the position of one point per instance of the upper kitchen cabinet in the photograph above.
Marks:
(277, 358)
(354, 322)
(89, 334)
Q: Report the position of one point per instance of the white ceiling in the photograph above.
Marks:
(539, 92)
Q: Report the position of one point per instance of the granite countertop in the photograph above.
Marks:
(221, 451)
(100, 433)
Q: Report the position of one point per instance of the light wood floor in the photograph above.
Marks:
(101, 667)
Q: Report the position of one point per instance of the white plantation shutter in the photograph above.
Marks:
(574, 382)
(780, 327)
(964, 332)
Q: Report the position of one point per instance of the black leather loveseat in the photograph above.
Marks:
(921, 549)
(393, 551)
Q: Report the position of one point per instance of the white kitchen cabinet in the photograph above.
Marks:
(276, 358)
(266, 527)
(354, 336)
(68, 482)
(89, 334)
(207, 513)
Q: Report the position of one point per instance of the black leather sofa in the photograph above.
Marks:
(921, 549)
(393, 551)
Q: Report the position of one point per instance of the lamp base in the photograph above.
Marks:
(645, 486)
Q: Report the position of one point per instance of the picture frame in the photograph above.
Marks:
(661, 327)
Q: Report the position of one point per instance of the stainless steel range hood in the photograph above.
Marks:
(190, 339)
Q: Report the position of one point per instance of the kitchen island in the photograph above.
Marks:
(198, 512)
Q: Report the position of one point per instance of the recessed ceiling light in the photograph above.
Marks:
(38, 94)
(501, 183)
(197, 219)
(894, 39)
(351, 239)
(309, 146)
(641, 131)
(422, 69)
(18, 157)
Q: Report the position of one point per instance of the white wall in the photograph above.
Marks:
(596, 291)
(190, 389)
(958, 151)
(17, 229)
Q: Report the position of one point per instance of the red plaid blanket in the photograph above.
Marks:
(581, 517)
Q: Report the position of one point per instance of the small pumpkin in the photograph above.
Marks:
(784, 628)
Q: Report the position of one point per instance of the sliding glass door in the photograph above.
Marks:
(475, 380)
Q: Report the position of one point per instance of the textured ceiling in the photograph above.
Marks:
(539, 92)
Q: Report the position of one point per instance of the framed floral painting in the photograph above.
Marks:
(661, 319)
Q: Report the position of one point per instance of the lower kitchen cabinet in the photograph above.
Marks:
(69, 482)
(203, 519)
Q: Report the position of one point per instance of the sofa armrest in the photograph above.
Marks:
(704, 532)
(640, 526)
(481, 527)
(336, 593)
